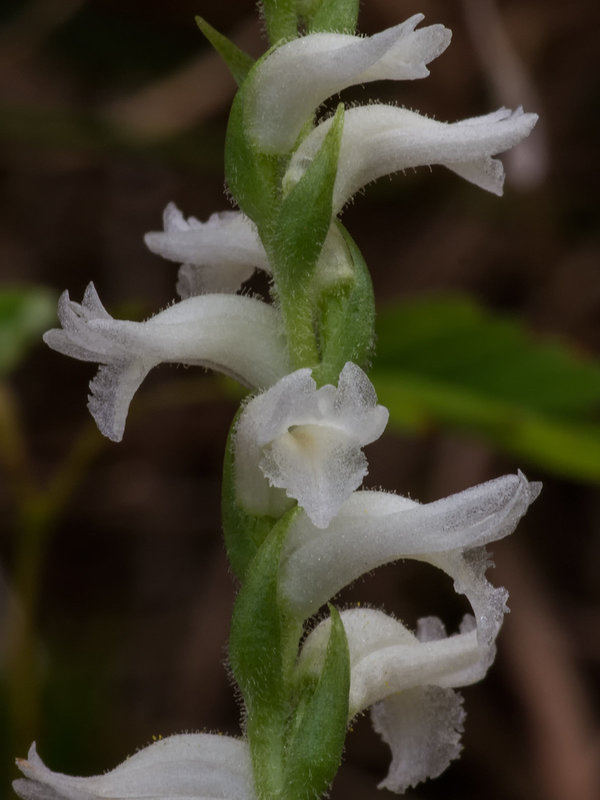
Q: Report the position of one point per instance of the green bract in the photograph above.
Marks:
(320, 721)
(296, 734)
(238, 62)
(296, 241)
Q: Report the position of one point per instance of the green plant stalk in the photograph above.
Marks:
(281, 18)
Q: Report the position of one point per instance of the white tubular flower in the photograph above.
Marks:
(239, 336)
(379, 140)
(216, 256)
(222, 253)
(374, 528)
(306, 441)
(297, 77)
(408, 681)
(189, 766)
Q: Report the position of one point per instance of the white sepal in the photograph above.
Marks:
(376, 528)
(188, 766)
(293, 80)
(216, 256)
(380, 140)
(239, 336)
(308, 442)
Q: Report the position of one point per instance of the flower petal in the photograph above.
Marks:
(190, 766)
(423, 727)
(379, 140)
(217, 255)
(293, 80)
(306, 441)
(374, 528)
(239, 336)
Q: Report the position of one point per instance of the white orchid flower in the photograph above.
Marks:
(216, 256)
(409, 682)
(188, 766)
(290, 84)
(220, 254)
(379, 140)
(375, 528)
(306, 441)
(239, 336)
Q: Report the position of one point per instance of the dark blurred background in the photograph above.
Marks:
(109, 110)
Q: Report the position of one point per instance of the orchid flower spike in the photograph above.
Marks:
(307, 442)
(188, 766)
(239, 336)
(409, 682)
(294, 79)
(375, 528)
(216, 256)
(379, 140)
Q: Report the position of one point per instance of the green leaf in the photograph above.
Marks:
(340, 16)
(447, 362)
(315, 749)
(243, 532)
(25, 313)
(281, 18)
(347, 320)
(237, 60)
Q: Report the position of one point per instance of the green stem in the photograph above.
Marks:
(281, 19)
(297, 311)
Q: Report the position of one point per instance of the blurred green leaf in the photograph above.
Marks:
(447, 362)
(25, 313)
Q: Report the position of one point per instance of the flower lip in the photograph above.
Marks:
(294, 79)
(307, 442)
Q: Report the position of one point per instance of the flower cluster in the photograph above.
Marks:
(297, 525)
